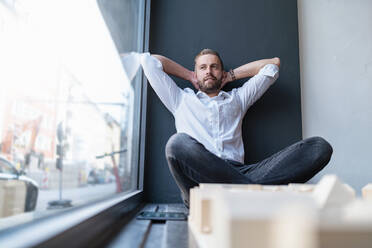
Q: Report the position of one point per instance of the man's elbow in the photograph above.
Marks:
(276, 61)
(159, 57)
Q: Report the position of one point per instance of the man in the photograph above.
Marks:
(208, 146)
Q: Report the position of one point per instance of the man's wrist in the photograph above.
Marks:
(232, 75)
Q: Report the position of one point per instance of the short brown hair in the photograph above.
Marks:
(208, 51)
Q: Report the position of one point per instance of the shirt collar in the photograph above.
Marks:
(222, 93)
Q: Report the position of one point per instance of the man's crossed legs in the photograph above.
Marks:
(191, 163)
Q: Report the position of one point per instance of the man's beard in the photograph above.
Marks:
(209, 88)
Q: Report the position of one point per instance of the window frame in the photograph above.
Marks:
(97, 221)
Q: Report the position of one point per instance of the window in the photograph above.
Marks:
(69, 113)
(7, 168)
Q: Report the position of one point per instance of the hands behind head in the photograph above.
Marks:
(194, 80)
(226, 78)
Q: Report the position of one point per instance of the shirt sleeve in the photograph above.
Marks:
(256, 86)
(166, 89)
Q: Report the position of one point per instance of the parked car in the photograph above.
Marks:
(9, 172)
(96, 177)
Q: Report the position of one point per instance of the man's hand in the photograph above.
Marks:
(194, 80)
(226, 79)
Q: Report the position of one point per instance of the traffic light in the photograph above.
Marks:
(59, 163)
(60, 132)
(59, 150)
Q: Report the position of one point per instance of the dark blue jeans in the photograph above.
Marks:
(191, 163)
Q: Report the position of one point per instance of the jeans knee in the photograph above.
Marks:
(176, 144)
(323, 147)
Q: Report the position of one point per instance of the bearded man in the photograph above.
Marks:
(208, 145)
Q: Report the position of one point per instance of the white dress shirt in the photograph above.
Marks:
(216, 122)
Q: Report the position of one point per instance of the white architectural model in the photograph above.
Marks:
(367, 192)
(294, 216)
(330, 192)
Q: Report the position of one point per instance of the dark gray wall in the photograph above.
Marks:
(242, 31)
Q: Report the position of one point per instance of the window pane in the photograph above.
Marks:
(69, 113)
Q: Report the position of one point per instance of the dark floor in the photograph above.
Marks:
(148, 234)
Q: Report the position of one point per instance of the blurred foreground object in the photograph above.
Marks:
(327, 215)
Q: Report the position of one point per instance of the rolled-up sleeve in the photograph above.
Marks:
(256, 86)
(166, 89)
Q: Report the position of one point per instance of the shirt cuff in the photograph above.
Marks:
(147, 59)
(270, 70)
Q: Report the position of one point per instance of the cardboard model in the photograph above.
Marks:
(327, 215)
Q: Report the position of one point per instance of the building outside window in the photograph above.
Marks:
(69, 114)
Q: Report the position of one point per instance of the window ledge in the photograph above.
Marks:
(43, 229)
